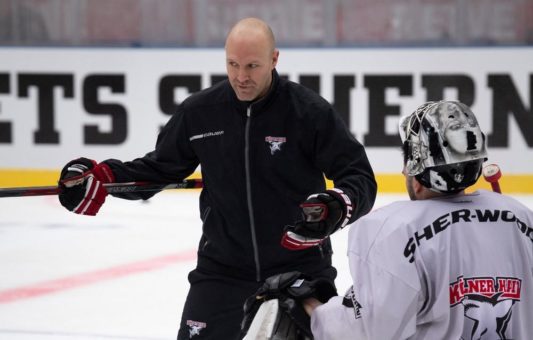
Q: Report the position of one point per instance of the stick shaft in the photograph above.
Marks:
(112, 188)
(496, 187)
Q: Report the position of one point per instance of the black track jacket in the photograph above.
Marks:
(259, 161)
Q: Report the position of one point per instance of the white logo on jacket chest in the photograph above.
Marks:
(275, 143)
(206, 135)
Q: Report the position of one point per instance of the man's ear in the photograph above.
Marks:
(275, 57)
(418, 188)
(422, 192)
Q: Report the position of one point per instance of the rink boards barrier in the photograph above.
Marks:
(387, 183)
(57, 104)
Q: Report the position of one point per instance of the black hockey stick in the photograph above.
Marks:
(112, 188)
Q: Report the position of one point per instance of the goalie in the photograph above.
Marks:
(444, 265)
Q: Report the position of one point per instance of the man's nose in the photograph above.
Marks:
(242, 75)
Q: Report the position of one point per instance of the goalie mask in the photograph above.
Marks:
(444, 147)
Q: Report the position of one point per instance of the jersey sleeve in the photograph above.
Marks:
(380, 306)
(386, 291)
(334, 320)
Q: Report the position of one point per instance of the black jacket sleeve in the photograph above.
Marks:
(171, 161)
(344, 161)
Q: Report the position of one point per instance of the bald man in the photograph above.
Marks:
(251, 57)
(264, 145)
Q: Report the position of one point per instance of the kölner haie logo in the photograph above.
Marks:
(487, 301)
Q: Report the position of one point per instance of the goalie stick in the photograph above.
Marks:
(112, 188)
(262, 327)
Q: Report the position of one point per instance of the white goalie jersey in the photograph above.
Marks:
(459, 267)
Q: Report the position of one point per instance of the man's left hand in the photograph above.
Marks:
(322, 214)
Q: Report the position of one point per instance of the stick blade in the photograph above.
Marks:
(492, 172)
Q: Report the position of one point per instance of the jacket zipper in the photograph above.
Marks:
(204, 220)
(249, 191)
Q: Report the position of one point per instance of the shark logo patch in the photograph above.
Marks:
(488, 302)
(275, 143)
(195, 327)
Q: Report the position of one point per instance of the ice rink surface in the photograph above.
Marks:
(119, 275)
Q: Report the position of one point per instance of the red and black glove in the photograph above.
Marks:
(81, 185)
(322, 214)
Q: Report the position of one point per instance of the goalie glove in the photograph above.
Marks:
(272, 323)
(322, 214)
(286, 318)
(81, 185)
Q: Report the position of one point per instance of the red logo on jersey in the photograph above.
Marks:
(487, 302)
(508, 287)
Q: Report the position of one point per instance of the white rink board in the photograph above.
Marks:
(138, 76)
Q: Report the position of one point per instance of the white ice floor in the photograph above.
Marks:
(119, 275)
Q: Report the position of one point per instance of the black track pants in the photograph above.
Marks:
(214, 306)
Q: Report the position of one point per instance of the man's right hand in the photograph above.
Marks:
(81, 185)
